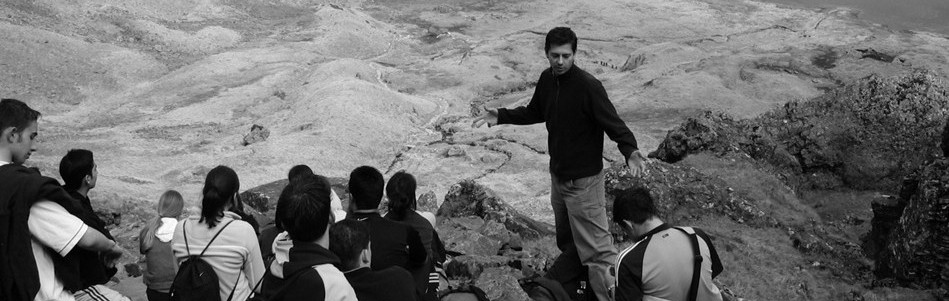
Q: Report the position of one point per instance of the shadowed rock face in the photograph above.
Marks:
(945, 140)
(469, 198)
(918, 251)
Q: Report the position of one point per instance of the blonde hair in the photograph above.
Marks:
(169, 205)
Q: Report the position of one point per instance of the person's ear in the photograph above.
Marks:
(88, 179)
(8, 134)
(365, 256)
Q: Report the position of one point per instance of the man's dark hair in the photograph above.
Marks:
(635, 205)
(74, 167)
(366, 185)
(347, 239)
(559, 36)
(298, 171)
(220, 186)
(303, 208)
(16, 114)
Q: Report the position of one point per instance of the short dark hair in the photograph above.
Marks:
(347, 239)
(304, 208)
(401, 193)
(16, 114)
(366, 185)
(74, 167)
(559, 36)
(299, 170)
(219, 187)
(635, 205)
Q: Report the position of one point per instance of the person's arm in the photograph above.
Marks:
(56, 228)
(604, 113)
(628, 288)
(717, 267)
(417, 252)
(532, 113)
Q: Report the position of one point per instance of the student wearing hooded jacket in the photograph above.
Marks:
(303, 266)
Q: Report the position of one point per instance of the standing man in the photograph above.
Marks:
(577, 112)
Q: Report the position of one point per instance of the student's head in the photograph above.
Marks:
(78, 169)
(170, 205)
(303, 208)
(632, 208)
(349, 240)
(366, 186)
(401, 193)
(299, 170)
(560, 46)
(220, 188)
(18, 130)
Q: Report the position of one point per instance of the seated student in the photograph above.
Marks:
(40, 230)
(335, 203)
(304, 267)
(155, 243)
(349, 240)
(79, 173)
(393, 243)
(402, 204)
(234, 254)
(660, 265)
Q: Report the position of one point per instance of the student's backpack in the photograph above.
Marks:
(196, 279)
(463, 293)
(544, 289)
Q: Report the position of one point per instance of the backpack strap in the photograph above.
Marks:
(697, 262)
(184, 232)
(212, 238)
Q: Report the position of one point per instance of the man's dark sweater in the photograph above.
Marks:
(392, 243)
(20, 188)
(302, 279)
(92, 270)
(577, 112)
(396, 281)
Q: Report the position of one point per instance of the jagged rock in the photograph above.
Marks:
(682, 194)
(257, 134)
(263, 198)
(868, 134)
(886, 216)
(945, 140)
(427, 202)
(497, 231)
(472, 199)
(501, 284)
(470, 266)
(918, 252)
(468, 242)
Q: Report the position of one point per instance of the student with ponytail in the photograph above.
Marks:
(155, 243)
(234, 254)
(402, 208)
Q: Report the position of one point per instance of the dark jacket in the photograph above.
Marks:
(577, 112)
(427, 234)
(396, 281)
(392, 243)
(20, 188)
(92, 270)
(309, 275)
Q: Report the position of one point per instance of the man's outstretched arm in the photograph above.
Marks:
(604, 113)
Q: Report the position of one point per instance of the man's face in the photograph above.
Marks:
(22, 145)
(561, 58)
(93, 177)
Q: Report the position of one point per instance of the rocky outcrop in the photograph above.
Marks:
(867, 135)
(263, 198)
(918, 251)
(945, 140)
(501, 284)
(468, 198)
(257, 134)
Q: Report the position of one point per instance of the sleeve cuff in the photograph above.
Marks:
(73, 241)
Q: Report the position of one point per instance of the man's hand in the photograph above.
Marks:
(112, 256)
(489, 117)
(636, 164)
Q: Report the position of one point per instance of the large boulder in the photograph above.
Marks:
(469, 198)
(866, 135)
(918, 252)
(263, 198)
(500, 284)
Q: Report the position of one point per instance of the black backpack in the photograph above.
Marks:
(463, 293)
(196, 279)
